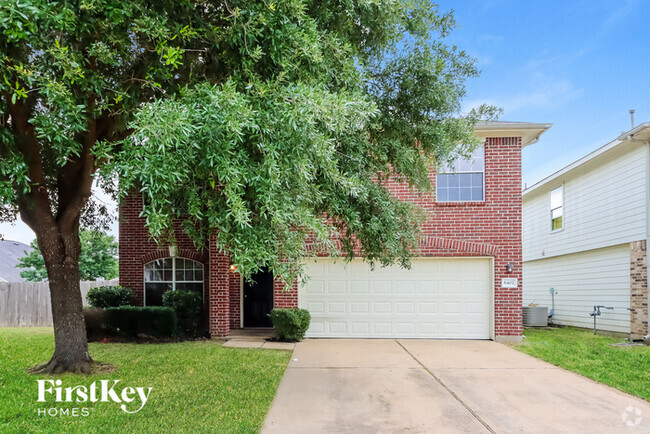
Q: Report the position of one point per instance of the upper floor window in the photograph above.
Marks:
(463, 181)
(557, 208)
(164, 274)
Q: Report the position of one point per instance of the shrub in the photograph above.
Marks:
(187, 305)
(132, 321)
(95, 323)
(109, 296)
(290, 324)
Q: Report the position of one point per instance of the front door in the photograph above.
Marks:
(258, 299)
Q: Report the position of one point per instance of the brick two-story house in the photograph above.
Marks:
(465, 282)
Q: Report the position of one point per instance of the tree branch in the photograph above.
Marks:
(35, 205)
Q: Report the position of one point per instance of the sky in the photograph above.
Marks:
(580, 65)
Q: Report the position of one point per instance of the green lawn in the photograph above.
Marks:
(625, 368)
(197, 386)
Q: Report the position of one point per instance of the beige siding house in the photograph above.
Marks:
(585, 230)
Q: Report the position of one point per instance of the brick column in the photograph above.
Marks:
(638, 290)
(219, 284)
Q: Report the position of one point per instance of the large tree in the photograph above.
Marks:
(97, 260)
(259, 121)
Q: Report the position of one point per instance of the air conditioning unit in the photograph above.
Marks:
(535, 316)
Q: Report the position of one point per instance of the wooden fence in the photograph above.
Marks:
(27, 304)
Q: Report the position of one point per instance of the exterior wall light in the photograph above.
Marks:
(509, 268)
(233, 268)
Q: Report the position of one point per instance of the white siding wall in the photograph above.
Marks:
(582, 280)
(604, 205)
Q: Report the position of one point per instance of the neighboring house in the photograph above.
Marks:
(455, 288)
(10, 252)
(585, 230)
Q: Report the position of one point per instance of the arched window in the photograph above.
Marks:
(164, 274)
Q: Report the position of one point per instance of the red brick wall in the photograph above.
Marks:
(489, 228)
(219, 290)
(235, 300)
(284, 297)
(136, 248)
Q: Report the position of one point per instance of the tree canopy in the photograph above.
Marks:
(320, 105)
(261, 122)
(98, 259)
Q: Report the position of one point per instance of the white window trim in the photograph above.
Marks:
(459, 172)
(173, 281)
(550, 213)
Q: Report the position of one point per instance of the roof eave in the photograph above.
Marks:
(529, 132)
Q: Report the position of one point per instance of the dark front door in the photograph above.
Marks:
(258, 299)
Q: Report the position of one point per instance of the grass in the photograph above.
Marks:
(625, 368)
(197, 386)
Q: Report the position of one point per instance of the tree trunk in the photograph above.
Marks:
(61, 254)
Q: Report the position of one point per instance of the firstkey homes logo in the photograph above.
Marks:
(130, 399)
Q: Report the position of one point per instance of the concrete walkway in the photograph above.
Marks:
(253, 342)
(352, 385)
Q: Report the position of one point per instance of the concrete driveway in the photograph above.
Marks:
(350, 385)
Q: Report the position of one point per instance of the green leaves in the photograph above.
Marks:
(98, 259)
(253, 159)
(271, 124)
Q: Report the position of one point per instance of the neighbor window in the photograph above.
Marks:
(164, 274)
(557, 208)
(463, 181)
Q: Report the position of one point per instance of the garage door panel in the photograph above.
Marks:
(381, 287)
(477, 287)
(359, 287)
(428, 288)
(429, 329)
(315, 307)
(381, 308)
(475, 308)
(337, 327)
(404, 287)
(452, 328)
(316, 327)
(336, 287)
(428, 307)
(451, 308)
(336, 307)
(360, 328)
(360, 307)
(432, 300)
(451, 287)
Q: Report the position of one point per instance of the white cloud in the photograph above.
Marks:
(547, 96)
(542, 94)
(621, 12)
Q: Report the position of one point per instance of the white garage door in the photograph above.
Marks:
(436, 298)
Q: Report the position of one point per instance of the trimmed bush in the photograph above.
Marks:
(290, 324)
(187, 305)
(132, 321)
(109, 296)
